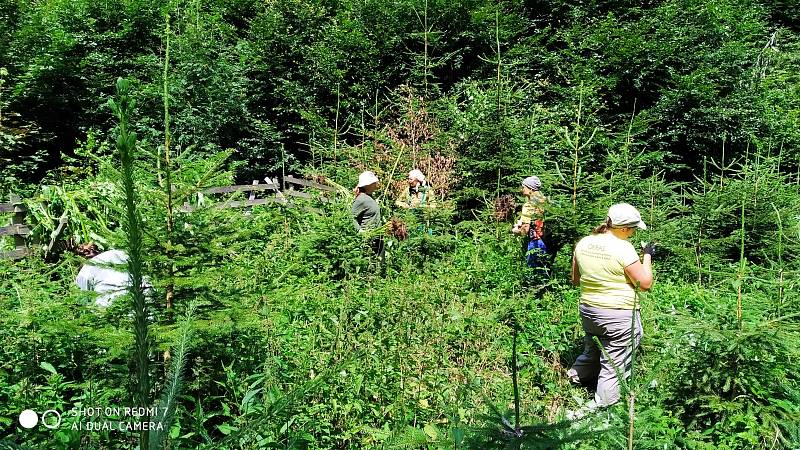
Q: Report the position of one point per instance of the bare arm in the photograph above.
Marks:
(641, 272)
(576, 272)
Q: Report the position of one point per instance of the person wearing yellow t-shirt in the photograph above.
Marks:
(608, 269)
(531, 224)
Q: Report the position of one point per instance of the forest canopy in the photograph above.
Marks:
(281, 82)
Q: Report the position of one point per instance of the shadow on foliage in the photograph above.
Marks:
(498, 432)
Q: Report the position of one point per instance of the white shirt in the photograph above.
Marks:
(106, 274)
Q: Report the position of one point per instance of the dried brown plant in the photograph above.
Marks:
(440, 173)
(504, 207)
(397, 229)
(406, 141)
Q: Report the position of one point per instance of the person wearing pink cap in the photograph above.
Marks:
(608, 269)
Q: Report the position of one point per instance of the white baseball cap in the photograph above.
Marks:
(624, 215)
(366, 178)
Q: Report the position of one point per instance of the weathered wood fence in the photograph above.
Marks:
(293, 188)
(18, 229)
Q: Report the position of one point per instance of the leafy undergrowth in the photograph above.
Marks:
(300, 341)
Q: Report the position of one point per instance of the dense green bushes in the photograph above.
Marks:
(261, 77)
(426, 347)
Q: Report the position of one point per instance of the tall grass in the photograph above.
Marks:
(3, 75)
(779, 222)
(576, 146)
(168, 191)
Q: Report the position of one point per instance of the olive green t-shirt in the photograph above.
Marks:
(602, 259)
(415, 198)
(366, 212)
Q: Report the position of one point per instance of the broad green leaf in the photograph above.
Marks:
(48, 367)
(431, 431)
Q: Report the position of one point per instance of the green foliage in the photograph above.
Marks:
(133, 229)
(713, 372)
(169, 398)
(85, 348)
(686, 109)
(329, 247)
(431, 346)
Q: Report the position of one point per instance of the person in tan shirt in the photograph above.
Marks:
(419, 193)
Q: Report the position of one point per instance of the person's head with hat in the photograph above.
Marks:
(622, 220)
(367, 183)
(530, 185)
(416, 178)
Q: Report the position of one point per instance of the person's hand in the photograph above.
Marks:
(649, 248)
(524, 228)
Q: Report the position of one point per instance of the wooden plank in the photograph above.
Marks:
(241, 188)
(253, 193)
(305, 195)
(18, 220)
(259, 201)
(236, 203)
(15, 230)
(16, 253)
(254, 202)
(311, 184)
(300, 194)
(262, 201)
(12, 208)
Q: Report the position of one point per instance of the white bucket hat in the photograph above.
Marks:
(624, 215)
(366, 178)
(417, 174)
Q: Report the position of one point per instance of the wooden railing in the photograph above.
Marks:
(276, 194)
(18, 229)
(295, 189)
